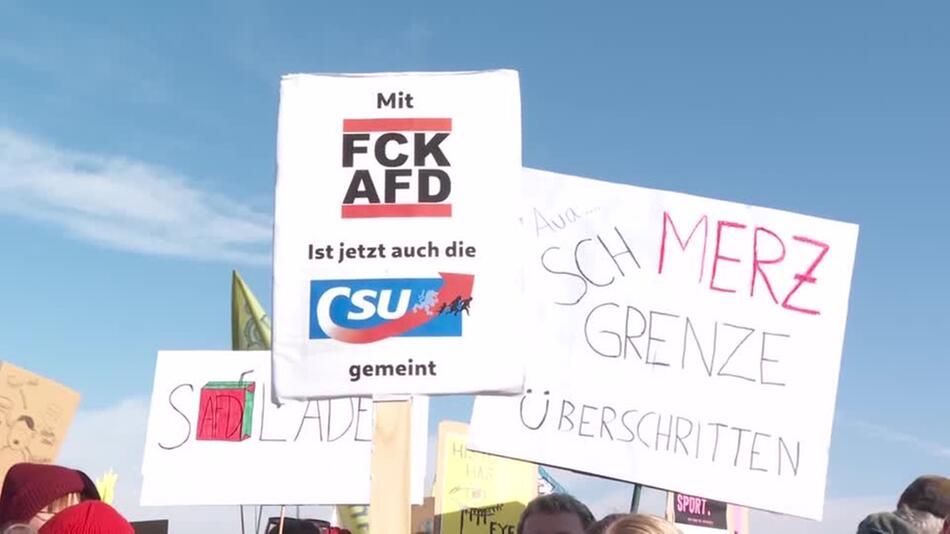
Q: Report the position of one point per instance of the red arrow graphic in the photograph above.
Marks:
(454, 285)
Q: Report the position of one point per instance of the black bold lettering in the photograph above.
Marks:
(425, 189)
(380, 150)
(350, 147)
(424, 149)
(361, 187)
(393, 183)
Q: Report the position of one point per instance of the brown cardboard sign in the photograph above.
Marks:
(35, 414)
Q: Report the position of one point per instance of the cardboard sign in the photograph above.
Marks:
(681, 342)
(215, 437)
(396, 235)
(35, 413)
(477, 493)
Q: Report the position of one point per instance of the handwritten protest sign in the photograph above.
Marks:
(478, 493)
(679, 342)
(215, 437)
(35, 414)
(396, 234)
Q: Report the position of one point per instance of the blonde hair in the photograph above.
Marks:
(62, 503)
(641, 524)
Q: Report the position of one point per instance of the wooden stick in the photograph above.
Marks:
(390, 495)
(242, 519)
(280, 529)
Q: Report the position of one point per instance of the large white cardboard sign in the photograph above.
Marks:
(215, 437)
(680, 342)
(396, 234)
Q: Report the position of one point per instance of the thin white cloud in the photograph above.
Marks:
(126, 204)
(888, 434)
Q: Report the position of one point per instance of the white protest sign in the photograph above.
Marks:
(396, 238)
(215, 437)
(680, 342)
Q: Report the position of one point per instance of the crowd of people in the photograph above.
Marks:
(923, 508)
(50, 499)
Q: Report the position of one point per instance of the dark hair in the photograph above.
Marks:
(556, 503)
(599, 527)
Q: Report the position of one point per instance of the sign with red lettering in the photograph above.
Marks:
(396, 239)
(682, 342)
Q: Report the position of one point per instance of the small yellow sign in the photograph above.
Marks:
(479, 493)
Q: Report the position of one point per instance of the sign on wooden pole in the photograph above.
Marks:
(389, 499)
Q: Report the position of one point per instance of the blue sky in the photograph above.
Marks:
(137, 164)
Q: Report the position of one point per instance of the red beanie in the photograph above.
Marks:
(28, 488)
(90, 517)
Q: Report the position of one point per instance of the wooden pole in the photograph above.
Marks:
(390, 495)
(242, 519)
(280, 529)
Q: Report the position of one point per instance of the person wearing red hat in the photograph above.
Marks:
(32, 494)
(90, 517)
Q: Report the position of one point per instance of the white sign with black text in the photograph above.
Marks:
(679, 342)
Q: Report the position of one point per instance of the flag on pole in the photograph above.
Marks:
(250, 326)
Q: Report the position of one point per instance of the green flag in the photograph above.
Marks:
(250, 327)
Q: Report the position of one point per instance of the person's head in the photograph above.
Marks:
(33, 493)
(89, 517)
(926, 503)
(641, 524)
(600, 526)
(556, 513)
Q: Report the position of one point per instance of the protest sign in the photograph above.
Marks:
(478, 493)
(35, 413)
(396, 266)
(679, 342)
(697, 515)
(215, 437)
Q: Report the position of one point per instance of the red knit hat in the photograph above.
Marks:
(28, 488)
(90, 517)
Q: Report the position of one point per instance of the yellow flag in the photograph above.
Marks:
(250, 330)
(106, 486)
(250, 327)
(354, 518)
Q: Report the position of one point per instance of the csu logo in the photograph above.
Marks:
(364, 311)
